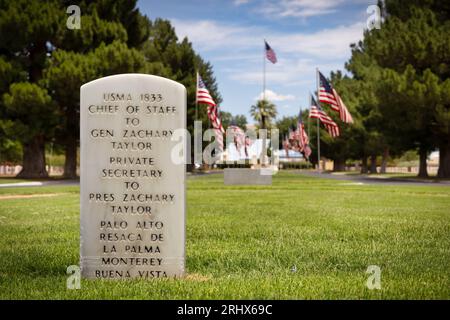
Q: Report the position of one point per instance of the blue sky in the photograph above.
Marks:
(305, 34)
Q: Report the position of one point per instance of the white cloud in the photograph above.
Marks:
(272, 96)
(208, 34)
(293, 72)
(240, 2)
(326, 43)
(236, 41)
(299, 8)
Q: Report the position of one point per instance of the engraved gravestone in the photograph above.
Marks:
(132, 193)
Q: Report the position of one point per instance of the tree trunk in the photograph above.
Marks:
(423, 154)
(70, 164)
(338, 165)
(384, 160)
(364, 165)
(33, 165)
(373, 164)
(444, 160)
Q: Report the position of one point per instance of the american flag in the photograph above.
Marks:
(238, 136)
(270, 54)
(317, 112)
(307, 151)
(203, 95)
(214, 118)
(328, 95)
(291, 135)
(302, 137)
(293, 139)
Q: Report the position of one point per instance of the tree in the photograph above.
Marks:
(10, 148)
(240, 120)
(181, 63)
(67, 71)
(33, 113)
(370, 136)
(228, 119)
(284, 125)
(264, 112)
(125, 13)
(114, 38)
(443, 124)
(408, 96)
(98, 49)
(26, 51)
(411, 55)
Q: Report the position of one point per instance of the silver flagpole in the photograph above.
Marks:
(264, 71)
(309, 119)
(196, 99)
(263, 120)
(318, 126)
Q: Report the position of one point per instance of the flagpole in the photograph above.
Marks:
(263, 120)
(309, 113)
(196, 99)
(318, 126)
(264, 70)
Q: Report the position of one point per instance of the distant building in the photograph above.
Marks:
(291, 156)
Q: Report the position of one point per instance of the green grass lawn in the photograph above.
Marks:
(6, 180)
(242, 242)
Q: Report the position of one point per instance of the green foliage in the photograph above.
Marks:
(240, 120)
(27, 114)
(284, 124)
(228, 119)
(264, 112)
(26, 25)
(179, 62)
(123, 13)
(118, 58)
(114, 38)
(402, 70)
(31, 109)
(10, 149)
(296, 165)
(92, 34)
(10, 71)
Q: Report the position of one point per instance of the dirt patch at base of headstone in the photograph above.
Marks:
(26, 196)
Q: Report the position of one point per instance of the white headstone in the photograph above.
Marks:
(132, 193)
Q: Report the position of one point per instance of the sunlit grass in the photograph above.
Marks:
(243, 242)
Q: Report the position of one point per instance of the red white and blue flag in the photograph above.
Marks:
(302, 137)
(238, 136)
(270, 54)
(317, 112)
(328, 95)
(203, 96)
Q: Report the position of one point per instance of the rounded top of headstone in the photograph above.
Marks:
(133, 76)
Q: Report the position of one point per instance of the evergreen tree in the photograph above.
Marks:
(410, 55)
(26, 29)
